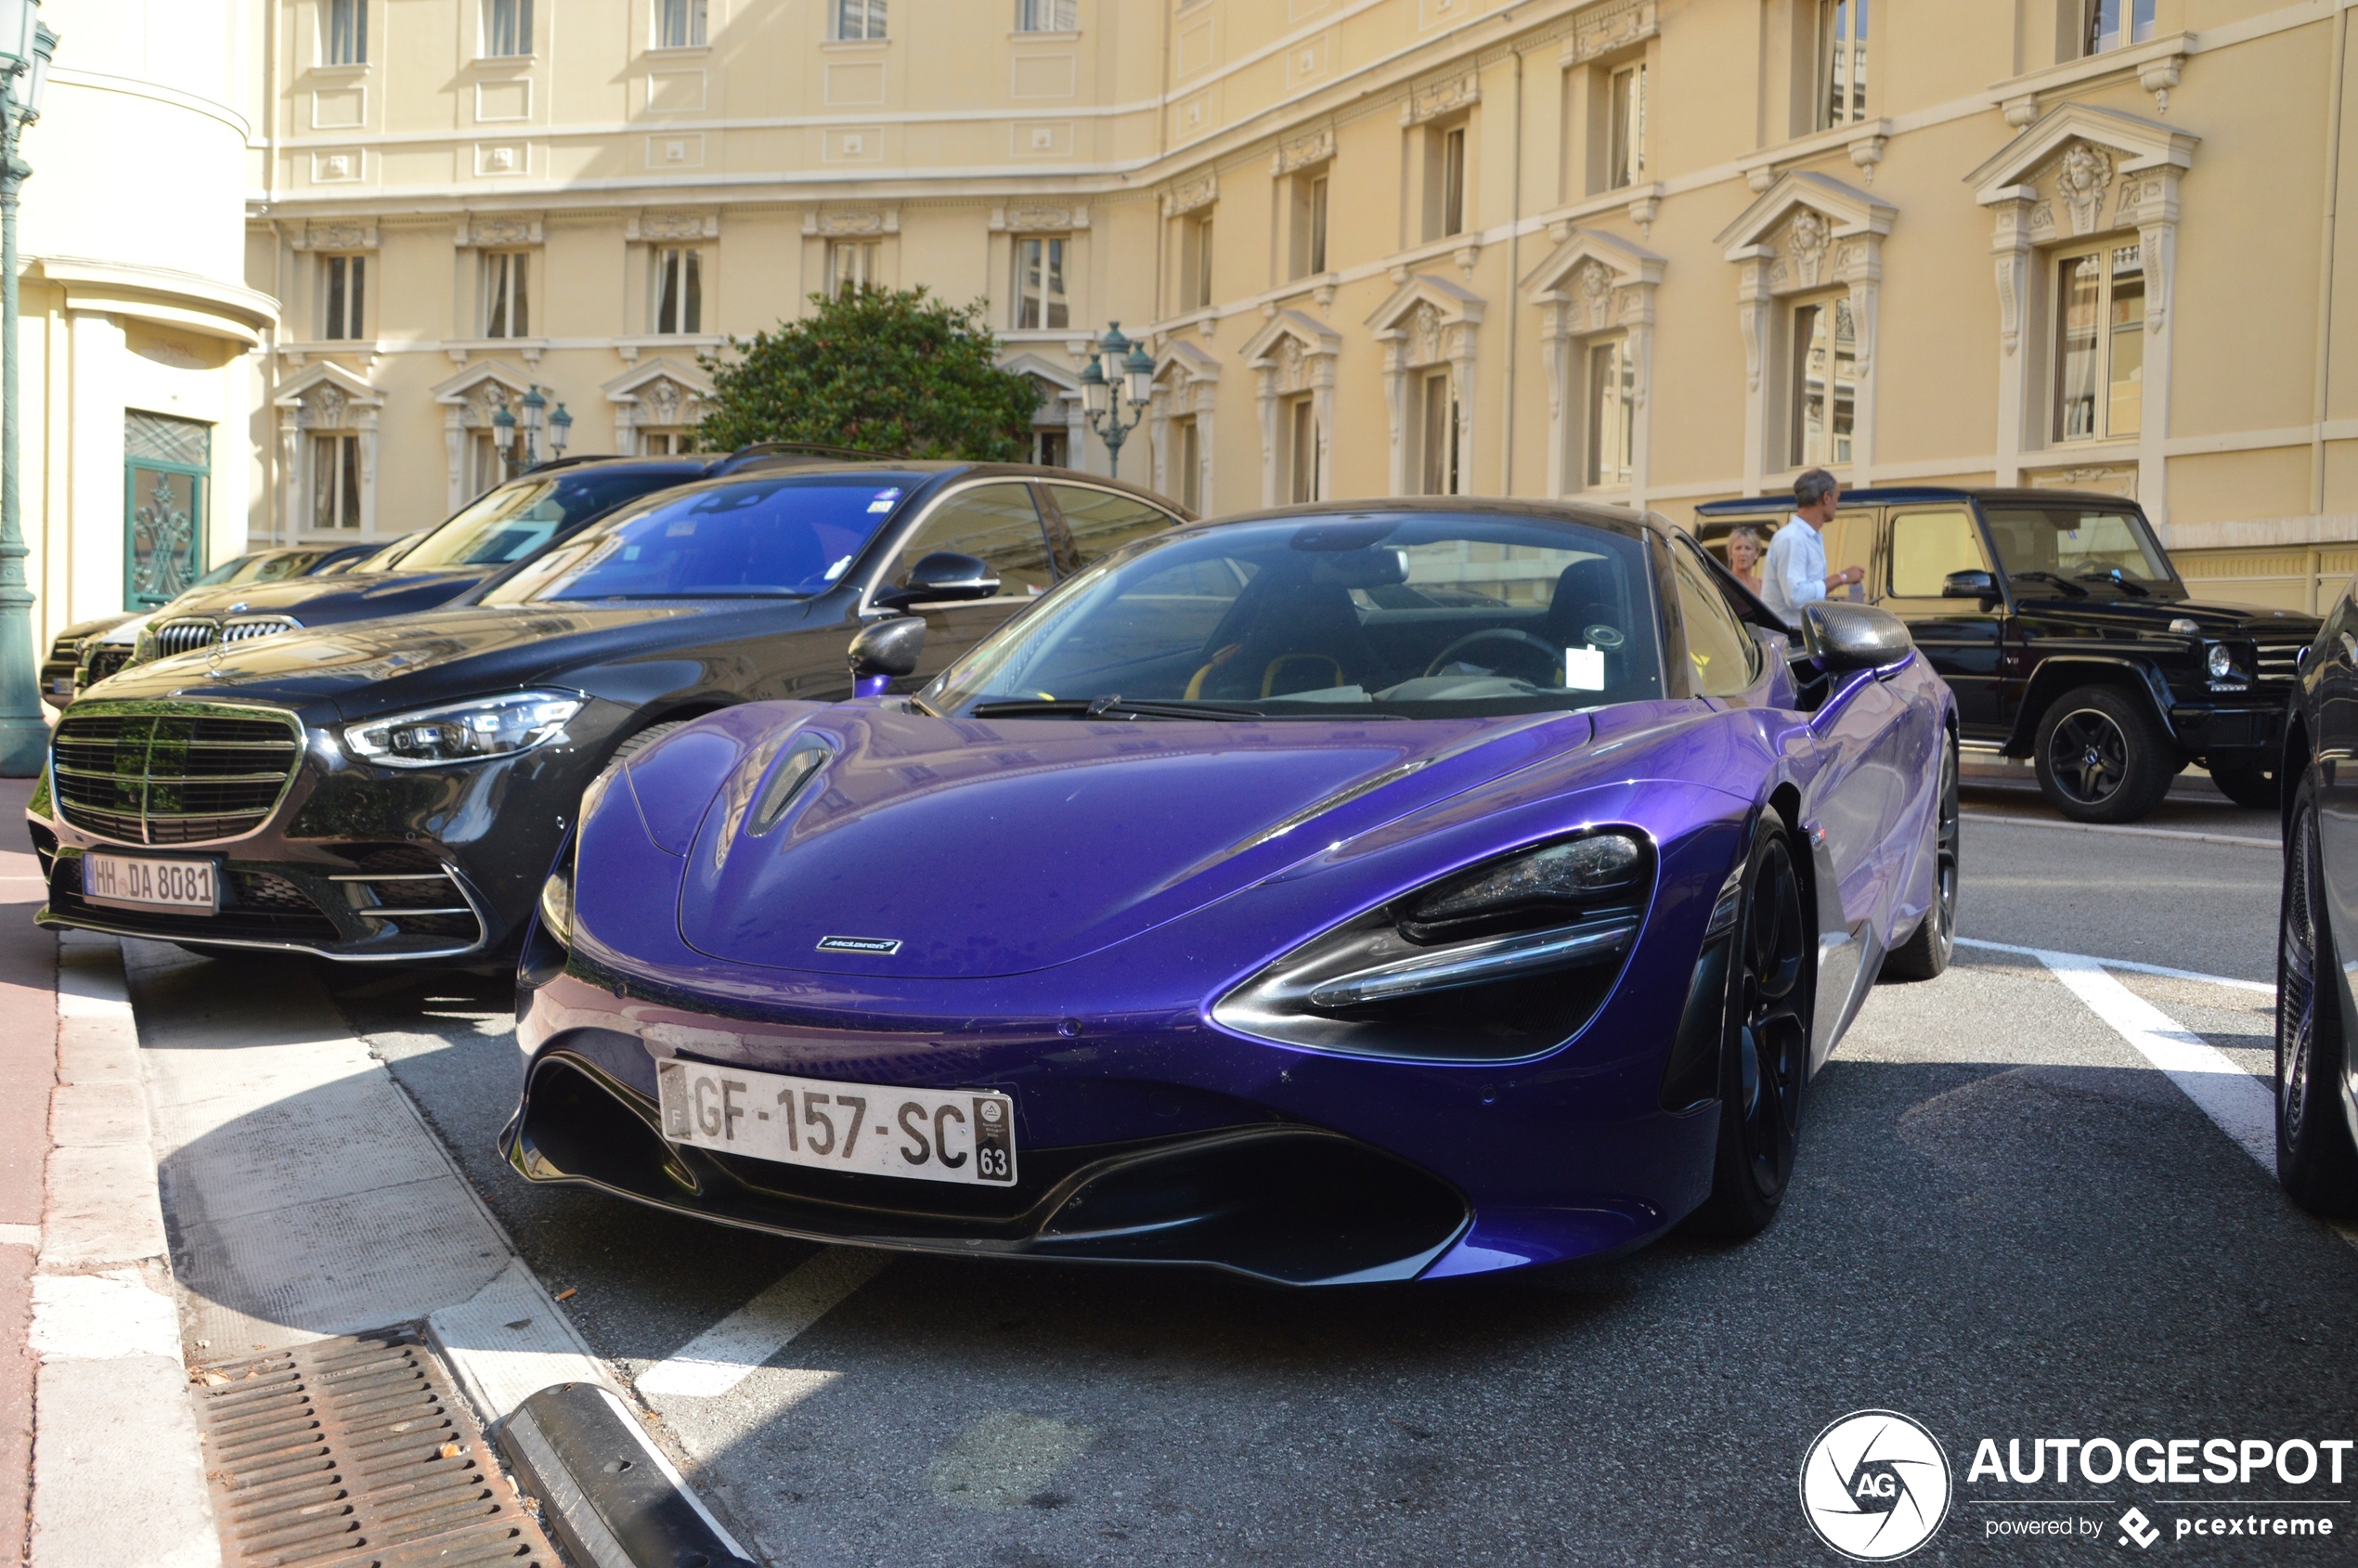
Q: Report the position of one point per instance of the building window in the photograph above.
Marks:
(1842, 54)
(1039, 283)
(854, 264)
(1626, 128)
(348, 32)
(679, 24)
(1444, 182)
(507, 26)
(2113, 24)
(1824, 390)
(1300, 429)
(1188, 448)
(859, 19)
(343, 287)
(666, 443)
(1307, 252)
(507, 297)
(1194, 262)
(1612, 429)
(335, 483)
(485, 467)
(679, 291)
(1047, 16)
(2100, 343)
(1437, 435)
(167, 465)
(1051, 448)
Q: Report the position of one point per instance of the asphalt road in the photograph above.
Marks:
(2007, 1224)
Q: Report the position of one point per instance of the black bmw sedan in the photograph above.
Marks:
(395, 790)
(2317, 929)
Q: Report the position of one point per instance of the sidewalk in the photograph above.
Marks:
(28, 1070)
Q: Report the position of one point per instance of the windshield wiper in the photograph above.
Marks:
(1114, 707)
(2064, 583)
(2115, 578)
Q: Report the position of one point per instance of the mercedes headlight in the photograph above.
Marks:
(2221, 662)
(471, 731)
(1506, 959)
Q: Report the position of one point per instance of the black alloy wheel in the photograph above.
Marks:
(1764, 1046)
(2101, 757)
(2252, 784)
(1925, 955)
(2316, 1159)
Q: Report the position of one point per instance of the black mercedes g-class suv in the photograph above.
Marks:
(2067, 636)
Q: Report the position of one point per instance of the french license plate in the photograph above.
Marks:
(183, 887)
(927, 1135)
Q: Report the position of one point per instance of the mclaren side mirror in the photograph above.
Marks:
(1846, 637)
(1975, 584)
(884, 650)
(941, 577)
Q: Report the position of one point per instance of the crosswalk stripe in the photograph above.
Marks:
(2161, 969)
(725, 1355)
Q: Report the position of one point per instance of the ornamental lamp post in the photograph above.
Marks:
(503, 435)
(25, 48)
(559, 430)
(1122, 366)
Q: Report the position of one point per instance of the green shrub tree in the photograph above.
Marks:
(889, 370)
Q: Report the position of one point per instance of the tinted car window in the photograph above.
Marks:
(517, 518)
(1721, 656)
(996, 523)
(1418, 614)
(226, 571)
(1101, 522)
(754, 536)
(2080, 543)
(1927, 546)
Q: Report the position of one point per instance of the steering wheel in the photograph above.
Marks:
(1550, 659)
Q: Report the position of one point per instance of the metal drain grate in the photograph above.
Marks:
(355, 1453)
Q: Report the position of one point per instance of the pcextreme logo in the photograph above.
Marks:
(1875, 1485)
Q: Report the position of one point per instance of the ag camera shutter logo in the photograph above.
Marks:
(1875, 1485)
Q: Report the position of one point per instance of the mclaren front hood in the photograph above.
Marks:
(948, 849)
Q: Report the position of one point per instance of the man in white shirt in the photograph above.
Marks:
(1795, 573)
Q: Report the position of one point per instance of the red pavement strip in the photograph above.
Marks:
(28, 1072)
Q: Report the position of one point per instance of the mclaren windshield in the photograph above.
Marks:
(2068, 550)
(1417, 614)
(786, 538)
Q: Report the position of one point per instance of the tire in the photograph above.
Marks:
(1763, 1042)
(633, 745)
(2247, 783)
(2102, 758)
(1924, 955)
(2316, 1159)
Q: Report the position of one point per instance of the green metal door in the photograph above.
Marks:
(166, 464)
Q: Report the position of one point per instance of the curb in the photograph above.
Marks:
(608, 1494)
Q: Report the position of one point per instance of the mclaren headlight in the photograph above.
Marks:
(470, 732)
(1503, 960)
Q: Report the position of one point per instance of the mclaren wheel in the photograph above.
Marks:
(1925, 954)
(2316, 1159)
(2102, 758)
(1765, 1042)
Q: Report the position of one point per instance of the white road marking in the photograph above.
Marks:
(2242, 1106)
(2163, 970)
(729, 1352)
(19, 1235)
(2138, 832)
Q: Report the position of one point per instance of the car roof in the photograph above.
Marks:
(1906, 494)
(935, 470)
(1617, 518)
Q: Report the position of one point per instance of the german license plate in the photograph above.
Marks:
(926, 1134)
(183, 886)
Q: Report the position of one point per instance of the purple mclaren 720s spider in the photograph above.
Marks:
(1330, 895)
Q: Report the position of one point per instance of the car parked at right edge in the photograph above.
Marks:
(2068, 636)
(2317, 927)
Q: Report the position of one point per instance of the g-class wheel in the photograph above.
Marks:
(2101, 757)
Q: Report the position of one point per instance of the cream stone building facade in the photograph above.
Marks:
(138, 330)
(1648, 251)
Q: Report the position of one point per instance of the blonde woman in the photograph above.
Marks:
(1743, 557)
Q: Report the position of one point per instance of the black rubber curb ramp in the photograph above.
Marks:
(608, 1494)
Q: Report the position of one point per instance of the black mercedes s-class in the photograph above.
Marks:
(395, 790)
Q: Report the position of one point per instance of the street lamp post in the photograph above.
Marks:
(505, 426)
(1120, 366)
(25, 47)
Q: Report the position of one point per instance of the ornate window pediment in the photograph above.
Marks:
(1293, 352)
(1812, 231)
(2077, 155)
(1427, 320)
(327, 397)
(1186, 378)
(480, 390)
(1593, 281)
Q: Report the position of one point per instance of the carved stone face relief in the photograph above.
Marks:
(662, 398)
(487, 399)
(1290, 364)
(1806, 237)
(1424, 334)
(323, 407)
(1594, 286)
(2081, 176)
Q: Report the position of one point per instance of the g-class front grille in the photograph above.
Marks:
(172, 772)
(2279, 662)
